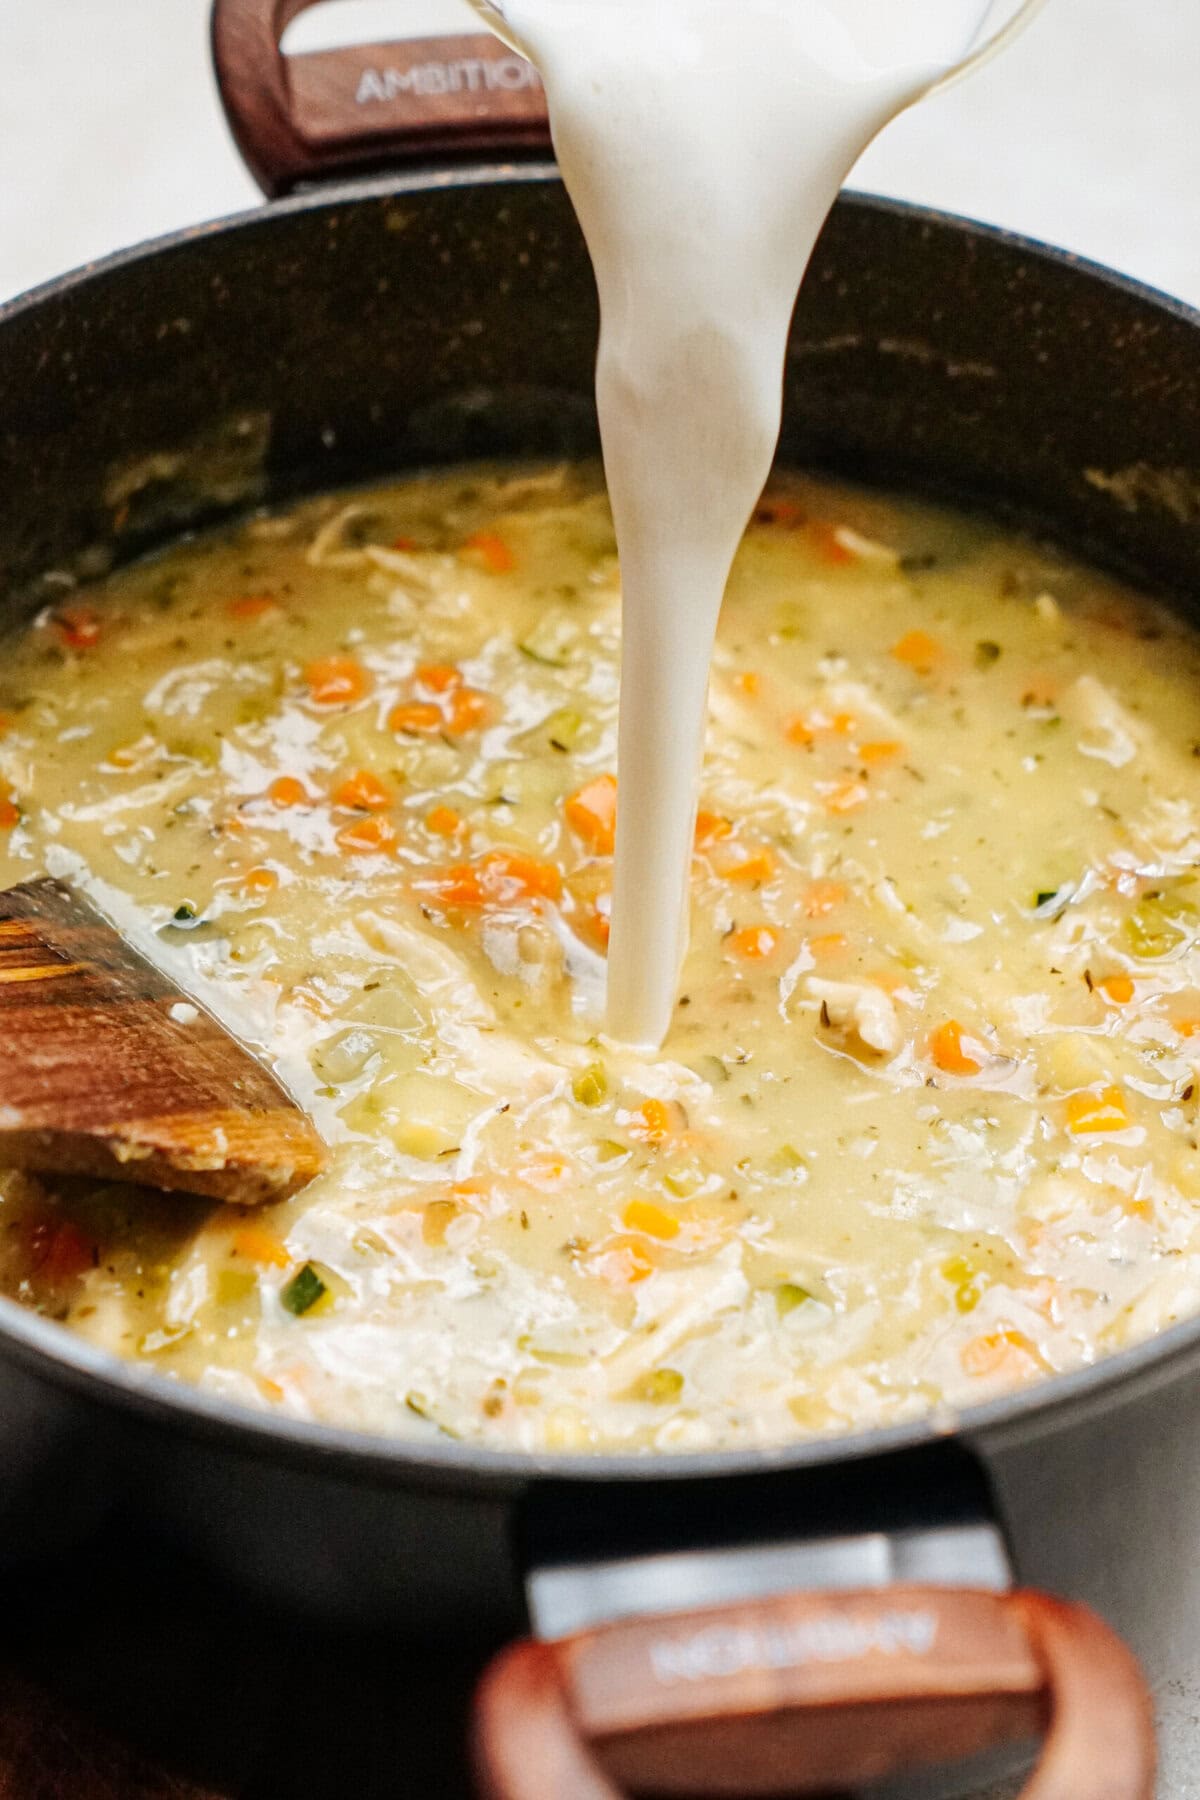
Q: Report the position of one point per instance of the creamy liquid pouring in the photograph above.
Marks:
(702, 142)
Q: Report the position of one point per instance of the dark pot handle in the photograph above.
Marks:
(299, 119)
(817, 1692)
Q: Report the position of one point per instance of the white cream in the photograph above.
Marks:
(702, 143)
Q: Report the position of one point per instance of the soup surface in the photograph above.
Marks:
(924, 1127)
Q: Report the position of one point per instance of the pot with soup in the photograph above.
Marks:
(750, 1367)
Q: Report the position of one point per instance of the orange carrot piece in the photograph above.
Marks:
(417, 718)
(287, 791)
(918, 651)
(371, 835)
(834, 943)
(337, 681)
(711, 828)
(657, 1119)
(443, 821)
(259, 1245)
(10, 812)
(651, 1220)
(490, 549)
(748, 683)
(847, 797)
(252, 606)
(261, 880)
(469, 710)
(591, 813)
(1117, 988)
(1090, 1113)
(881, 751)
(946, 1049)
(404, 542)
(828, 545)
(624, 1261)
(1008, 1353)
(363, 792)
(503, 878)
(755, 943)
(748, 867)
(438, 678)
(823, 897)
(798, 731)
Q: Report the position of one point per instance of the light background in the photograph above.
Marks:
(1087, 133)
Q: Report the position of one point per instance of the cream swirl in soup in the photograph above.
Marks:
(924, 1127)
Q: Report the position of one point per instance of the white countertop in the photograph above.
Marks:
(1087, 133)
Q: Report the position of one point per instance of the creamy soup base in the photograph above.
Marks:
(923, 1129)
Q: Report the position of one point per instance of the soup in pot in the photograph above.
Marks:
(924, 1126)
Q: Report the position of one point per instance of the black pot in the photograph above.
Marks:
(450, 313)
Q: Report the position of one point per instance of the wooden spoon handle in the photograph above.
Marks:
(108, 1069)
(301, 118)
(807, 1693)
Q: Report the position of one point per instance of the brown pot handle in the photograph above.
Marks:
(805, 1693)
(300, 118)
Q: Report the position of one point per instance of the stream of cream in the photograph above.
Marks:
(703, 143)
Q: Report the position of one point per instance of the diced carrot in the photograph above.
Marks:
(78, 627)
(403, 542)
(599, 921)
(259, 1245)
(823, 897)
(882, 751)
(1117, 988)
(755, 943)
(748, 683)
(438, 678)
(657, 1119)
(502, 878)
(591, 813)
(778, 510)
(287, 791)
(6, 723)
(624, 1261)
(1188, 1027)
(828, 545)
(711, 828)
(1091, 1112)
(834, 943)
(270, 1390)
(337, 681)
(651, 1220)
(843, 724)
(468, 711)
(443, 821)
(252, 606)
(918, 651)
(946, 1049)
(10, 812)
(372, 835)
(363, 792)
(747, 867)
(1008, 1353)
(847, 797)
(261, 880)
(489, 548)
(546, 1173)
(798, 731)
(417, 718)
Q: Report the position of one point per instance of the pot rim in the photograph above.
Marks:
(49, 1350)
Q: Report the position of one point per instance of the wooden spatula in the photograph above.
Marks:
(108, 1069)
